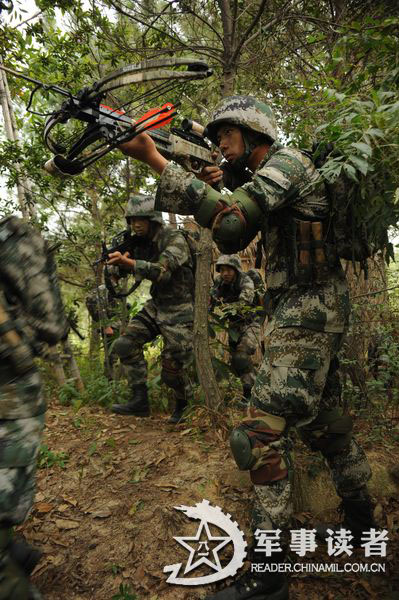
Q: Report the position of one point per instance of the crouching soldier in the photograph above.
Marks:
(235, 290)
(169, 312)
(31, 316)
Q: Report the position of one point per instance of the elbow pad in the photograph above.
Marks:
(236, 225)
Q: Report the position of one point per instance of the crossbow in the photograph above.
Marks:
(84, 129)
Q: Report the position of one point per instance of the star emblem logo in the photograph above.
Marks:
(201, 550)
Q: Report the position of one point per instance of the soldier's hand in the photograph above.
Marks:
(211, 175)
(117, 258)
(143, 148)
(108, 330)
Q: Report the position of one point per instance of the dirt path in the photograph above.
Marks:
(107, 518)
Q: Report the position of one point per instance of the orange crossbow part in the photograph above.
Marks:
(159, 120)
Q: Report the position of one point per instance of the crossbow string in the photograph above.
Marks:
(76, 146)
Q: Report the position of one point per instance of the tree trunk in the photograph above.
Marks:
(73, 367)
(202, 353)
(56, 360)
(24, 193)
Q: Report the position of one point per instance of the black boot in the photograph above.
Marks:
(14, 583)
(255, 584)
(358, 513)
(138, 405)
(177, 415)
(24, 554)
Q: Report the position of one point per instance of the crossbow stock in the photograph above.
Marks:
(84, 129)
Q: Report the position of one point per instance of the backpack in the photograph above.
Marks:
(356, 229)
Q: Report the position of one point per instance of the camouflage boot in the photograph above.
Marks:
(14, 584)
(138, 406)
(180, 406)
(358, 513)
(255, 584)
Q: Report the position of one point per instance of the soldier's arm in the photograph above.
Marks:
(247, 292)
(239, 213)
(175, 254)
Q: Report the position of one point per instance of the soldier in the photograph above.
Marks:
(297, 384)
(100, 301)
(31, 316)
(169, 312)
(236, 290)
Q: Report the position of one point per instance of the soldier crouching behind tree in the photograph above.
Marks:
(31, 316)
(284, 198)
(169, 312)
(234, 290)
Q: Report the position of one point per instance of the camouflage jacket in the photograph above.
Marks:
(31, 316)
(285, 186)
(171, 271)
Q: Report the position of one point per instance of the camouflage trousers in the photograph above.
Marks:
(244, 340)
(176, 354)
(298, 384)
(19, 446)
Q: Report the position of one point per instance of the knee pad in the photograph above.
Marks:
(123, 346)
(240, 364)
(172, 374)
(256, 446)
(330, 433)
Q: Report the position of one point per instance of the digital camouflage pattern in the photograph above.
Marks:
(298, 378)
(169, 312)
(30, 298)
(244, 330)
(140, 205)
(243, 111)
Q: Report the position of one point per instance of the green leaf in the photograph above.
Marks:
(361, 164)
(351, 172)
(364, 148)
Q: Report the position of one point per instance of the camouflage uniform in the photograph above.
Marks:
(298, 382)
(169, 313)
(243, 326)
(31, 316)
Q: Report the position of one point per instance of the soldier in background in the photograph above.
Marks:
(169, 312)
(234, 292)
(105, 311)
(31, 316)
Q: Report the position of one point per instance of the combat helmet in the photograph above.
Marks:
(250, 114)
(140, 205)
(231, 260)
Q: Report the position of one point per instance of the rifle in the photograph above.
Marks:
(124, 242)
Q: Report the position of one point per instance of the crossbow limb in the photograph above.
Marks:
(107, 127)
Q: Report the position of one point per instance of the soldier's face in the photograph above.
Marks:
(140, 226)
(227, 273)
(230, 142)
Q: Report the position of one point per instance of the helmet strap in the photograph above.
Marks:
(249, 146)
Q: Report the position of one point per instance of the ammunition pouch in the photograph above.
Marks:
(330, 433)
(312, 265)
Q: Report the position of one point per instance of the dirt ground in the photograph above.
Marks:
(106, 521)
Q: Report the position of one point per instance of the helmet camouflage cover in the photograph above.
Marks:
(140, 205)
(230, 260)
(243, 111)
